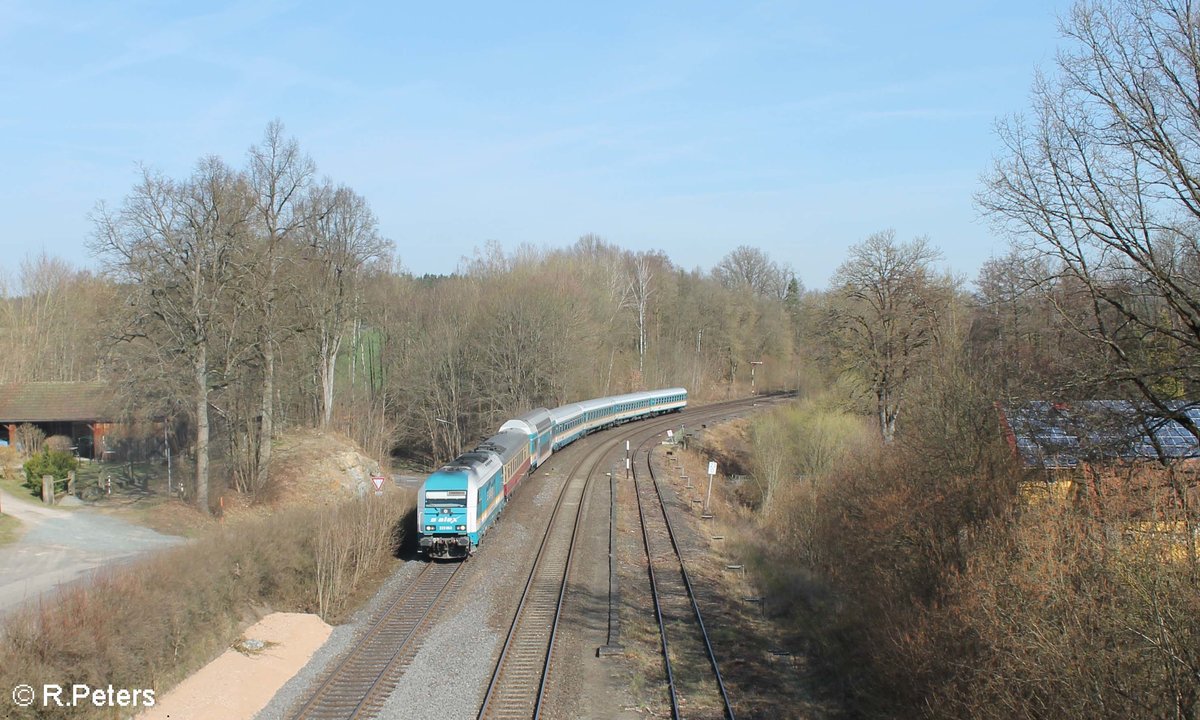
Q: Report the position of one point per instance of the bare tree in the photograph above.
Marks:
(640, 287)
(342, 237)
(749, 268)
(606, 264)
(279, 174)
(44, 309)
(1102, 184)
(884, 316)
(177, 248)
(51, 322)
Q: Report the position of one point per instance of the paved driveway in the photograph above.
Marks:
(60, 546)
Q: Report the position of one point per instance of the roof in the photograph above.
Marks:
(566, 412)
(504, 443)
(533, 422)
(56, 402)
(1057, 435)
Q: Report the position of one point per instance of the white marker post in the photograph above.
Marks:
(712, 470)
(627, 466)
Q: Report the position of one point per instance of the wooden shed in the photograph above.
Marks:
(85, 412)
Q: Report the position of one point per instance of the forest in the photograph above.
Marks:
(890, 517)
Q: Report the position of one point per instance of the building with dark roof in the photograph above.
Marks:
(1121, 451)
(85, 412)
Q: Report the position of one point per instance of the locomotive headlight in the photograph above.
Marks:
(429, 528)
(460, 527)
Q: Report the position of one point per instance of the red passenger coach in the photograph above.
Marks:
(513, 449)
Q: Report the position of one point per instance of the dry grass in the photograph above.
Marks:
(764, 656)
(14, 484)
(762, 684)
(10, 529)
(150, 624)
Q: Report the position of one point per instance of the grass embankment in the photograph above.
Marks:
(149, 624)
(15, 486)
(10, 529)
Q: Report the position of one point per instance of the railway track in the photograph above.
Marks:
(358, 685)
(693, 674)
(518, 684)
(519, 680)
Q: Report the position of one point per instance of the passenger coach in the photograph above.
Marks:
(572, 422)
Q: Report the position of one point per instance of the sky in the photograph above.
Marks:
(692, 128)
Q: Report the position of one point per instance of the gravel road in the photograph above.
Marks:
(61, 546)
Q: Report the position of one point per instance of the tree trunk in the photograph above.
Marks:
(201, 378)
(267, 426)
(329, 353)
(353, 353)
(641, 323)
(887, 417)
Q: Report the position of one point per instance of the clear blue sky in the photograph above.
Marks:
(688, 127)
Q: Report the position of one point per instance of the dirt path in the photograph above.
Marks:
(237, 685)
(60, 546)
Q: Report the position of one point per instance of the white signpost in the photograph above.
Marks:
(378, 480)
(712, 470)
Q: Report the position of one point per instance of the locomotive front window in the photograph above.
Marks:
(445, 498)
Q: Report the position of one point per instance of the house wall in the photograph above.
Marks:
(1141, 498)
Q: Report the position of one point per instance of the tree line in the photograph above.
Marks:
(238, 301)
(241, 300)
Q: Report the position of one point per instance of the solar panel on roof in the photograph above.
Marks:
(1051, 435)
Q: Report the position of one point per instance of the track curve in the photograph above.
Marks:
(518, 685)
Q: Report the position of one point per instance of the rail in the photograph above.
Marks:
(656, 555)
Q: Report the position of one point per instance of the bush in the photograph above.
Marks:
(9, 459)
(871, 547)
(48, 462)
(59, 443)
(28, 439)
(1068, 624)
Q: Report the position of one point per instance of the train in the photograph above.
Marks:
(457, 504)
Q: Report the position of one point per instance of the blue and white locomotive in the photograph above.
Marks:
(459, 502)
